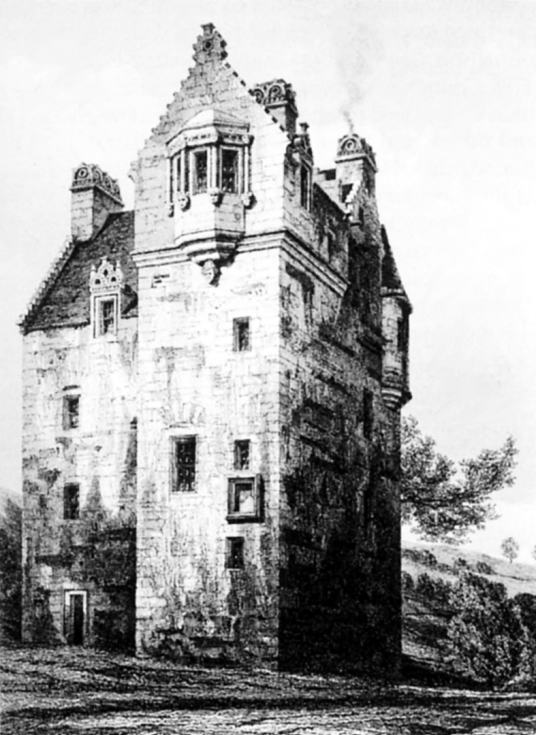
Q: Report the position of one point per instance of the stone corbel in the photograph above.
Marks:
(215, 196)
(247, 199)
(183, 201)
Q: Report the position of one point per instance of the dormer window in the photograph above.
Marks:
(105, 289)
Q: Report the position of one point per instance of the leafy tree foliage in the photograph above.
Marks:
(486, 638)
(10, 571)
(446, 501)
(510, 549)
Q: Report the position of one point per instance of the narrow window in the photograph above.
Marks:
(71, 502)
(244, 501)
(241, 454)
(368, 415)
(106, 316)
(234, 553)
(401, 335)
(368, 513)
(178, 171)
(183, 464)
(345, 191)
(186, 172)
(305, 187)
(332, 240)
(71, 412)
(200, 172)
(241, 336)
(229, 171)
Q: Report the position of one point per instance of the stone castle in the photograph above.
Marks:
(212, 394)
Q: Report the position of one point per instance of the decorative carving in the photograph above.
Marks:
(183, 200)
(275, 92)
(107, 277)
(352, 146)
(211, 271)
(89, 175)
(215, 196)
(210, 47)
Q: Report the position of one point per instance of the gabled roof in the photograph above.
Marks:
(63, 299)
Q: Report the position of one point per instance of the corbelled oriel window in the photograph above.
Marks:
(209, 155)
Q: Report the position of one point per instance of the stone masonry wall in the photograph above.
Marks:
(96, 552)
(194, 383)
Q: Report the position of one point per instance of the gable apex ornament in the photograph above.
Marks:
(107, 277)
(210, 46)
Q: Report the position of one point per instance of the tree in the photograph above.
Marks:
(510, 548)
(446, 501)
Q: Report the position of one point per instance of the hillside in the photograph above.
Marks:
(428, 570)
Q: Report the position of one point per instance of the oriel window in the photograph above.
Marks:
(183, 464)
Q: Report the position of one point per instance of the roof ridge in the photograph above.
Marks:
(53, 272)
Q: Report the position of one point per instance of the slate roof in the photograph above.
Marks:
(64, 300)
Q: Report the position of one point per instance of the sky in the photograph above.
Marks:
(445, 92)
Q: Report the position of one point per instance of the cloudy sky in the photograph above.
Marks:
(445, 91)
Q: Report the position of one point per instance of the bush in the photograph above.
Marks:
(420, 556)
(483, 567)
(434, 589)
(485, 636)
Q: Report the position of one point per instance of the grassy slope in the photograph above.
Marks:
(425, 621)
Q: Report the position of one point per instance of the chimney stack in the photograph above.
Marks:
(95, 195)
(280, 100)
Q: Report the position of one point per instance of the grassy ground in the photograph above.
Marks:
(81, 691)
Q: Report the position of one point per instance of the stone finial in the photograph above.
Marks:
(107, 277)
(210, 46)
(89, 176)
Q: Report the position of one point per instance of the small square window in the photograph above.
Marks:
(234, 553)
(200, 172)
(183, 460)
(244, 500)
(71, 412)
(368, 413)
(241, 335)
(71, 502)
(241, 454)
(229, 171)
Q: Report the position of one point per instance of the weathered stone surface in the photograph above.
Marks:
(256, 305)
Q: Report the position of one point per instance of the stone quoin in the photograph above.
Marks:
(212, 394)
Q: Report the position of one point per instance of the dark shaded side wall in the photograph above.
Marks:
(340, 537)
